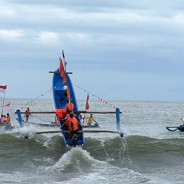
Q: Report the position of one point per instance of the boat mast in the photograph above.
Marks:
(68, 90)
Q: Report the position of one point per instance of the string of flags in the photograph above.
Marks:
(98, 98)
(7, 105)
(34, 100)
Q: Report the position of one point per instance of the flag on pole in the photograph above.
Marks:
(62, 71)
(7, 105)
(87, 102)
(63, 54)
(64, 57)
(3, 89)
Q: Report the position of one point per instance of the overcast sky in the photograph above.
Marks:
(120, 49)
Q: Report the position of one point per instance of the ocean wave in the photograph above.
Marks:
(139, 145)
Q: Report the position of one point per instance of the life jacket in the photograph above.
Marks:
(68, 119)
(67, 122)
(74, 124)
(27, 112)
(70, 106)
(3, 119)
(61, 113)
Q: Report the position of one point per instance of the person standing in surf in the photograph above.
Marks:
(91, 119)
(27, 113)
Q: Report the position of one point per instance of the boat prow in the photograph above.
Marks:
(174, 129)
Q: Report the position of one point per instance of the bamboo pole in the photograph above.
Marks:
(80, 131)
(76, 112)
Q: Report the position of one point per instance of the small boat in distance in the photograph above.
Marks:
(91, 126)
(176, 128)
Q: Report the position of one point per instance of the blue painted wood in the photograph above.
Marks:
(19, 116)
(60, 103)
(118, 122)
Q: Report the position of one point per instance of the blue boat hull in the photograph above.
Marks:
(60, 100)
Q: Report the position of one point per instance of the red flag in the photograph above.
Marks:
(87, 103)
(7, 105)
(3, 89)
(62, 71)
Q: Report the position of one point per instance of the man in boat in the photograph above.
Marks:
(91, 119)
(61, 114)
(72, 124)
(27, 113)
(69, 105)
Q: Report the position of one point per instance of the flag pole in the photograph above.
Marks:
(68, 90)
(3, 103)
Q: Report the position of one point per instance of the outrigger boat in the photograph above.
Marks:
(176, 128)
(61, 79)
(91, 126)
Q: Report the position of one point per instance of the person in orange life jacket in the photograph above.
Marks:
(27, 113)
(67, 120)
(61, 113)
(74, 124)
(4, 119)
(69, 105)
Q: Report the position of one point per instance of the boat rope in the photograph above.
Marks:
(98, 98)
(35, 99)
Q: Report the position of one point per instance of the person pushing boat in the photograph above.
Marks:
(62, 113)
(72, 124)
(91, 119)
(69, 105)
(27, 114)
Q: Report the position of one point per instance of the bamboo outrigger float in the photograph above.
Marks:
(62, 85)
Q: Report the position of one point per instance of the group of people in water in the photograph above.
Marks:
(69, 121)
(5, 119)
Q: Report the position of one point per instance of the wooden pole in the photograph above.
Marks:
(76, 112)
(80, 131)
(59, 72)
(3, 104)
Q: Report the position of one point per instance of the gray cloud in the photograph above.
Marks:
(118, 38)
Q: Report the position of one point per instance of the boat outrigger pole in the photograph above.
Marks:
(119, 131)
(118, 122)
(75, 112)
(80, 131)
(19, 118)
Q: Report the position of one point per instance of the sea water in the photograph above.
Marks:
(147, 154)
